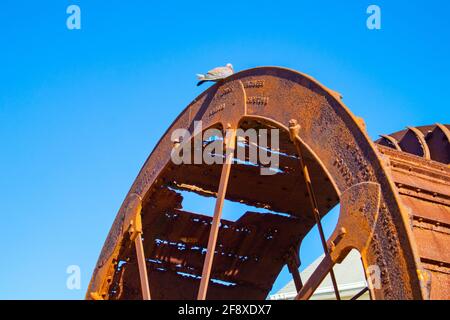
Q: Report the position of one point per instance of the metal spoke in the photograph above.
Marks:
(296, 277)
(230, 144)
(359, 294)
(315, 279)
(294, 127)
(136, 236)
(293, 263)
(142, 268)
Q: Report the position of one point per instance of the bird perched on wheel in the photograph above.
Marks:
(216, 74)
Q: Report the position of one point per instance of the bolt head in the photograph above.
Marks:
(292, 123)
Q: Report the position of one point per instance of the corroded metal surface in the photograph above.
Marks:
(251, 251)
(424, 188)
(357, 224)
(430, 142)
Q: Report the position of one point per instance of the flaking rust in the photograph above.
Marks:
(394, 195)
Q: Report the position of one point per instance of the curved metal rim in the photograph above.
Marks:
(95, 284)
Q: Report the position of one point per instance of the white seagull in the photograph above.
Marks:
(216, 74)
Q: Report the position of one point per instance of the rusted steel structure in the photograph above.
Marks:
(418, 163)
(394, 198)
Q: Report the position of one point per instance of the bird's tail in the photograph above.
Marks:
(201, 77)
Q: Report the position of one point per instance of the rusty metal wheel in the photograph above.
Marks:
(156, 249)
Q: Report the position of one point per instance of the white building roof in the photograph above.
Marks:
(349, 276)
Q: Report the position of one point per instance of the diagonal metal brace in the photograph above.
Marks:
(358, 203)
(294, 129)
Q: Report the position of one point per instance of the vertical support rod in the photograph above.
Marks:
(293, 263)
(136, 236)
(294, 128)
(230, 144)
(142, 268)
(296, 277)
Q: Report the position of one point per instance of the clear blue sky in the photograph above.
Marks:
(81, 110)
